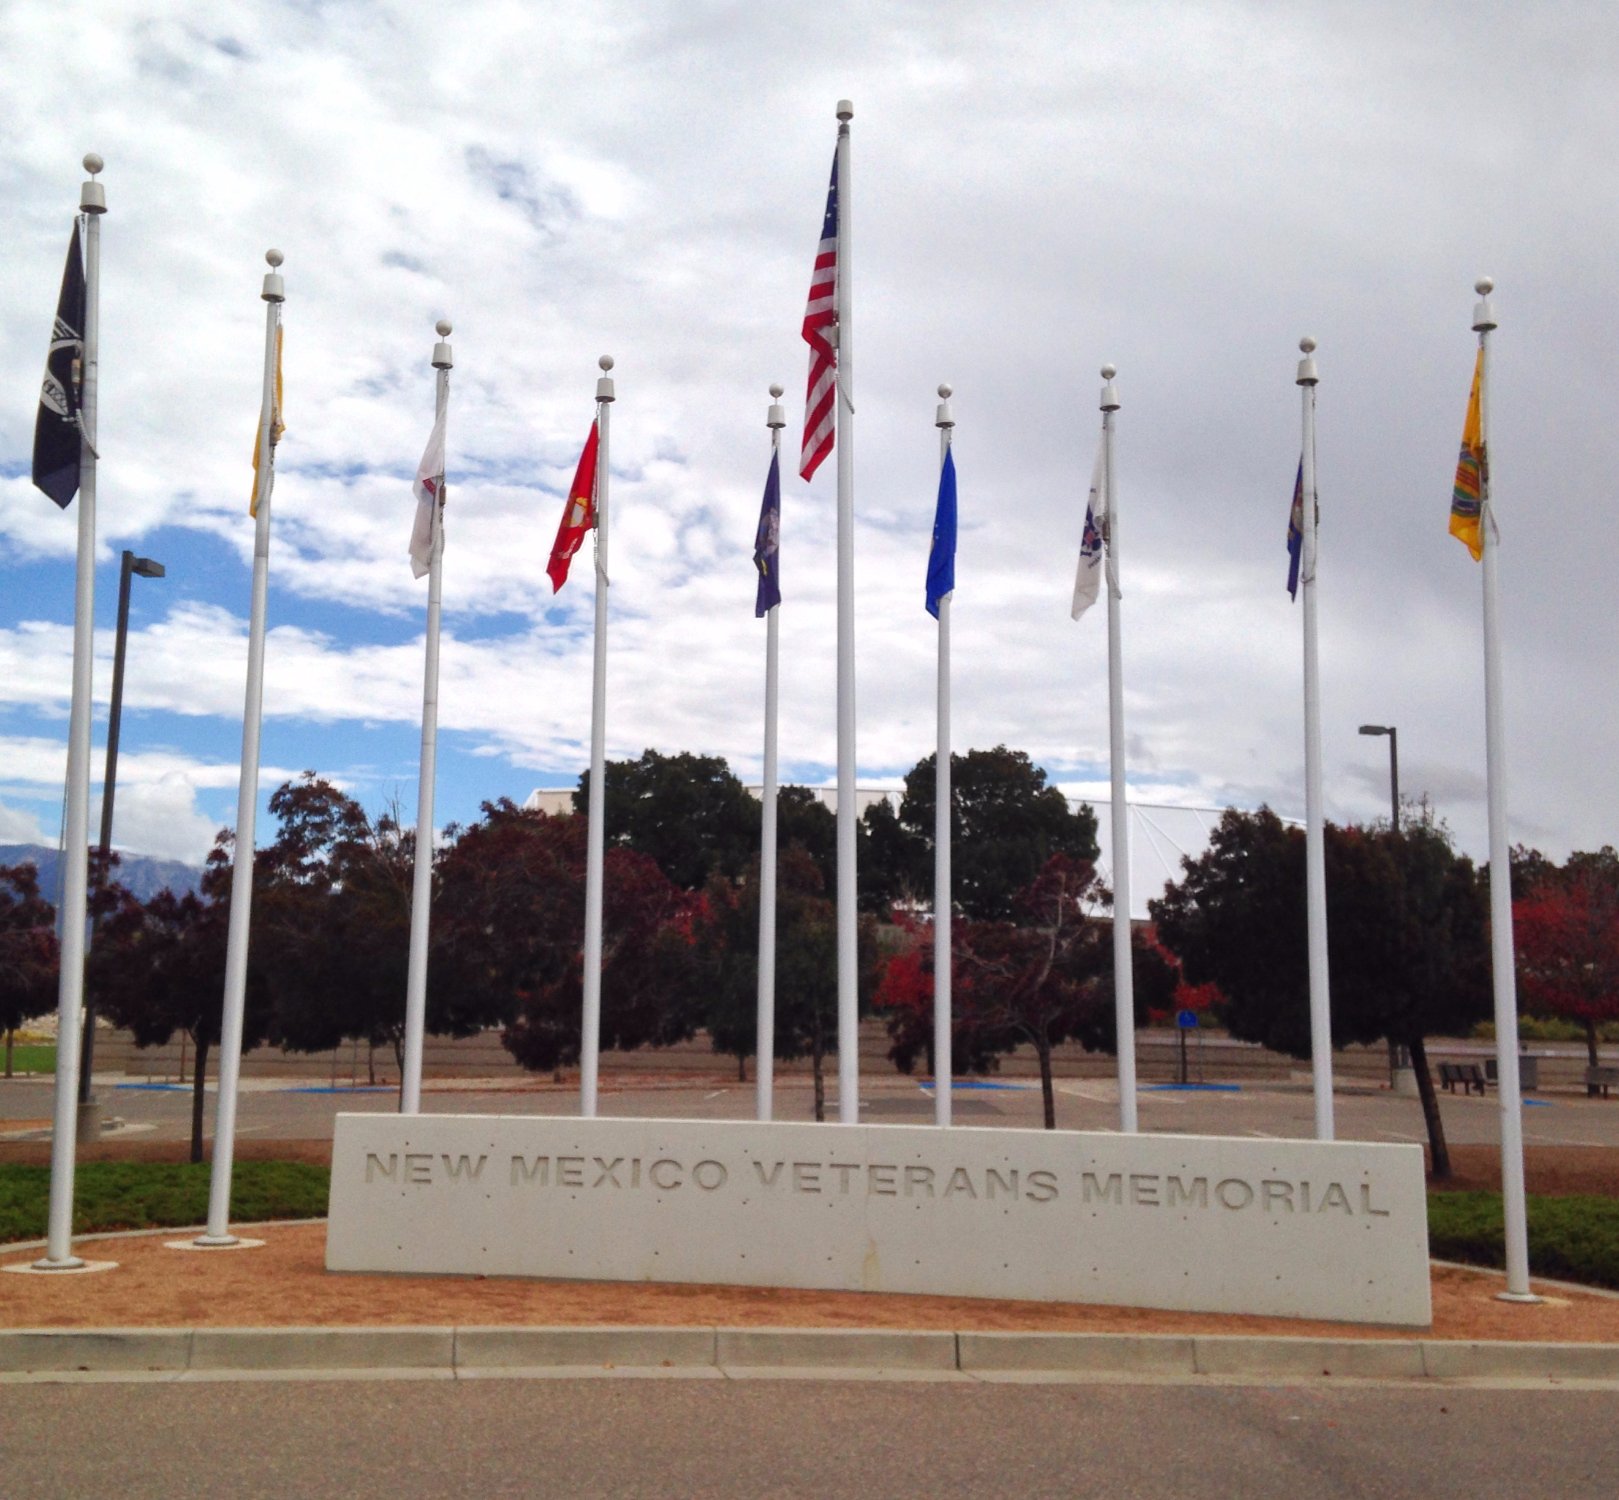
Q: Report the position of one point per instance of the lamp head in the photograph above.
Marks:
(147, 567)
(1374, 729)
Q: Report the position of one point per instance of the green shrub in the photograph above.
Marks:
(156, 1195)
(1548, 1029)
(1571, 1239)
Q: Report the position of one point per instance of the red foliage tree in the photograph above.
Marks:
(28, 955)
(1567, 931)
(1041, 978)
(508, 931)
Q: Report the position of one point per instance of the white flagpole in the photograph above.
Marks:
(848, 906)
(218, 1235)
(590, 1025)
(1124, 1001)
(59, 1254)
(421, 895)
(1315, 853)
(943, 1063)
(765, 1034)
(1502, 961)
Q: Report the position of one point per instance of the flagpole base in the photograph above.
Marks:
(213, 1242)
(69, 1265)
(1522, 1297)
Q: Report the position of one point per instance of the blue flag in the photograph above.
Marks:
(942, 559)
(767, 543)
(1295, 534)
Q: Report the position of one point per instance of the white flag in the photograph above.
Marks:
(429, 495)
(1088, 577)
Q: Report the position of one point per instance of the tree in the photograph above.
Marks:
(1567, 929)
(894, 865)
(510, 924)
(28, 951)
(159, 967)
(687, 812)
(1040, 979)
(803, 819)
(1006, 824)
(1406, 937)
(332, 926)
(727, 938)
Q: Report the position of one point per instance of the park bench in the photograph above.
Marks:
(1604, 1077)
(1469, 1075)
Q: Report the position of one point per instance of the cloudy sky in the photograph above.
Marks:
(1181, 190)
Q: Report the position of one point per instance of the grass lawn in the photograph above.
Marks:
(156, 1195)
(33, 1057)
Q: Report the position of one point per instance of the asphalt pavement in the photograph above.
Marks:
(273, 1109)
(410, 1440)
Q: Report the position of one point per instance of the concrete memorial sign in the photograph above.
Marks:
(1196, 1223)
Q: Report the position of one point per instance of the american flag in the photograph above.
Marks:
(820, 314)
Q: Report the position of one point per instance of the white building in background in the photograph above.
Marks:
(1160, 834)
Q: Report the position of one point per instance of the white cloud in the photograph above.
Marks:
(1185, 193)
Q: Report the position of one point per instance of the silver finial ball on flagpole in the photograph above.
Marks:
(1109, 371)
(443, 327)
(946, 392)
(606, 361)
(1483, 286)
(776, 392)
(274, 257)
(1307, 345)
(93, 163)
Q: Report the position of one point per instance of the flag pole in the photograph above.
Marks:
(943, 1064)
(1502, 960)
(848, 907)
(421, 895)
(590, 1026)
(1315, 855)
(765, 1034)
(59, 1254)
(1124, 1002)
(218, 1235)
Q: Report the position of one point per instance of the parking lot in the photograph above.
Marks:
(281, 1110)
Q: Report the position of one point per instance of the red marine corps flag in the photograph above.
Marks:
(578, 517)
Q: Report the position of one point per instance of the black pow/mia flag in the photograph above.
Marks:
(56, 428)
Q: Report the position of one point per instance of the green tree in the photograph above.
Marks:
(1406, 938)
(727, 938)
(687, 812)
(1006, 825)
(893, 864)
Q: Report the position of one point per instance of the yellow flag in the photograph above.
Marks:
(1472, 473)
(277, 427)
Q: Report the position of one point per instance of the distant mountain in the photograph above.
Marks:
(142, 875)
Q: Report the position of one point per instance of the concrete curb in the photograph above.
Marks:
(841, 1353)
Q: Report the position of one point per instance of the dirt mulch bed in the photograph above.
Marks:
(286, 1284)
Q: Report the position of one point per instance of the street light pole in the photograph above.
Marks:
(1399, 1057)
(1394, 768)
(147, 568)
